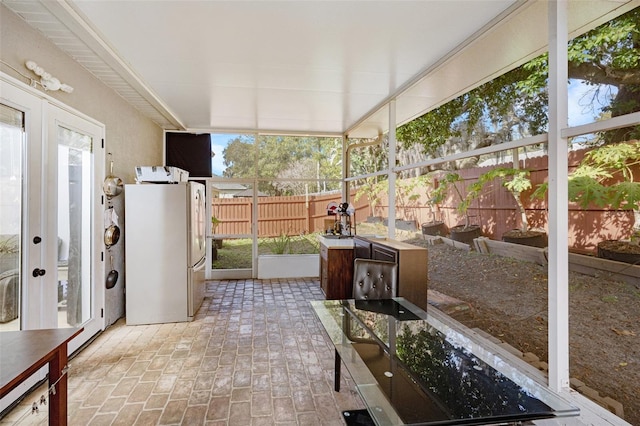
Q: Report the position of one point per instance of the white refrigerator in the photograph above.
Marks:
(164, 251)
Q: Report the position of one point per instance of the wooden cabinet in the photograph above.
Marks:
(336, 267)
(362, 247)
(412, 268)
(336, 271)
(382, 252)
(412, 264)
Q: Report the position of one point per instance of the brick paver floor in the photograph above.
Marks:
(254, 355)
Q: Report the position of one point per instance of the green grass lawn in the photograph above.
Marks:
(236, 254)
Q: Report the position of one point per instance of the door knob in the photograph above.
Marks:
(37, 240)
(38, 272)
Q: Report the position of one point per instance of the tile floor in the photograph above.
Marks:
(254, 355)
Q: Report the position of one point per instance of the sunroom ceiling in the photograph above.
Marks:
(313, 67)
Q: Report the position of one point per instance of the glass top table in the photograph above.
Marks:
(414, 367)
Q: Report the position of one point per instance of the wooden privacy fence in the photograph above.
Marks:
(495, 211)
(292, 215)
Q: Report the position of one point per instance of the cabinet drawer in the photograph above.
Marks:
(384, 253)
(362, 248)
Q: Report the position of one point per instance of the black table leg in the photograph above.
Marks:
(336, 376)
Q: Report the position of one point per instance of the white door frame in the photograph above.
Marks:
(42, 113)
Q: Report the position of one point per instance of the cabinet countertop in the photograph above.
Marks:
(336, 242)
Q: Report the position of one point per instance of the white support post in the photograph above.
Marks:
(558, 271)
(392, 173)
(345, 170)
(515, 158)
(254, 229)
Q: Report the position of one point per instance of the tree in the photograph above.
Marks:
(268, 156)
(515, 105)
(365, 160)
(450, 181)
(239, 158)
(304, 167)
(368, 159)
(516, 181)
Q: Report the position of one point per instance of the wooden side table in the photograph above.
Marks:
(24, 352)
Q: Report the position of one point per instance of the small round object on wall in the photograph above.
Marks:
(111, 235)
(112, 185)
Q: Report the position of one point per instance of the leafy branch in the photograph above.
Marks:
(605, 177)
(450, 180)
(516, 181)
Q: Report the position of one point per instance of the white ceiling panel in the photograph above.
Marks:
(309, 63)
(326, 67)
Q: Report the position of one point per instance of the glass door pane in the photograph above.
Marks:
(74, 227)
(11, 158)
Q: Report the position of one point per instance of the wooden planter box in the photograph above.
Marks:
(588, 265)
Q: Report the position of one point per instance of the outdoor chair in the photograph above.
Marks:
(372, 280)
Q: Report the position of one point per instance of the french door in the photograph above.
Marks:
(51, 169)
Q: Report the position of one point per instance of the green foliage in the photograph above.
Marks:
(365, 160)
(214, 224)
(372, 188)
(312, 241)
(450, 181)
(278, 245)
(237, 253)
(509, 107)
(280, 157)
(287, 244)
(586, 190)
(406, 193)
(433, 129)
(593, 180)
(368, 159)
(516, 181)
(239, 158)
(515, 105)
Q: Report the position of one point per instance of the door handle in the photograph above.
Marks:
(38, 272)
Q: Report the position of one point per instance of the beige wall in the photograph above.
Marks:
(133, 139)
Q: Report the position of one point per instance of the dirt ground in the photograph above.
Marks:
(509, 300)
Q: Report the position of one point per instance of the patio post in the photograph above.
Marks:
(558, 272)
(391, 170)
(345, 170)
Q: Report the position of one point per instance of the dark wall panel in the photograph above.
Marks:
(189, 152)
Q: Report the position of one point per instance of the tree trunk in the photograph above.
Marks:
(627, 100)
(635, 232)
(524, 222)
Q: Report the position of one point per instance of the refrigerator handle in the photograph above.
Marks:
(200, 264)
